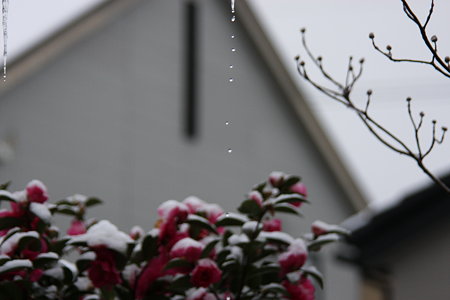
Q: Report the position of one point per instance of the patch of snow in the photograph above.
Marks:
(276, 235)
(104, 233)
(232, 215)
(83, 283)
(72, 268)
(166, 207)
(7, 194)
(11, 243)
(41, 211)
(237, 239)
(20, 196)
(194, 203)
(251, 226)
(186, 243)
(77, 198)
(17, 263)
(90, 255)
(50, 255)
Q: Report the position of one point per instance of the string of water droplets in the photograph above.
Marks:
(233, 50)
(5, 6)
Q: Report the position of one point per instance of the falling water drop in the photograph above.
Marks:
(5, 6)
(233, 18)
(233, 49)
(230, 150)
(227, 123)
(231, 66)
(227, 214)
(233, 36)
(232, 6)
(231, 80)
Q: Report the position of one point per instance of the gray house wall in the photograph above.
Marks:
(106, 119)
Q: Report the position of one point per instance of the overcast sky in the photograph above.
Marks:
(336, 29)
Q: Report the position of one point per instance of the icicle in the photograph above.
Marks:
(5, 6)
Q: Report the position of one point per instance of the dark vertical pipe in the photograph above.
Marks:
(190, 59)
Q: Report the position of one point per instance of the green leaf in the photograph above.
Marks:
(178, 263)
(250, 207)
(6, 196)
(181, 284)
(210, 247)
(290, 181)
(13, 265)
(149, 247)
(230, 220)
(275, 288)
(5, 186)
(93, 201)
(123, 292)
(288, 209)
(198, 221)
(263, 270)
(66, 211)
(313, 272)
(44, 262)
(290, 198)
(9, 222)
(322, 240)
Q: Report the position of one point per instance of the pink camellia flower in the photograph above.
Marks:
(36, 192)
(272, 225)
(173, 209)
(294, 257)
(103, 271)
(213, 212)
(153, 270)
(77, 227)
(256, 196)
(303, 290)
(199, 294)
(299, 188)
(205, 273)
(188, 249)
(136, 232)
(276, 178)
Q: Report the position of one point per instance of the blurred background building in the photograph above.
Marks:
(131, 103)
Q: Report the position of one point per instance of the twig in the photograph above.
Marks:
(342, 94)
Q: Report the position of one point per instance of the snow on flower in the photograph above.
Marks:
(41, 211)
(173, 208)
(205, 273)
(256, 196)
(36, 191)
(194, 204)
(213, 212)
(275, 178)
(136, 232)
(320, 228)
(187, 248)
(299, 188)
(14, 264)
(105, 234)
(294, 257)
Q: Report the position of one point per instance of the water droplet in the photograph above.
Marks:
(227, 123)
(231, 80)
(227, 215)
(231, 66)
(232, 6)
(230, 150)
(233, 36)
(233, 49)
(233, 18)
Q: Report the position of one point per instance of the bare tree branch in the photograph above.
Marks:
(341, 92)
(436, 61)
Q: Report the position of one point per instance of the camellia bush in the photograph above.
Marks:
(196, 250)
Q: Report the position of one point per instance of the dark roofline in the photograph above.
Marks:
(416, 213)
